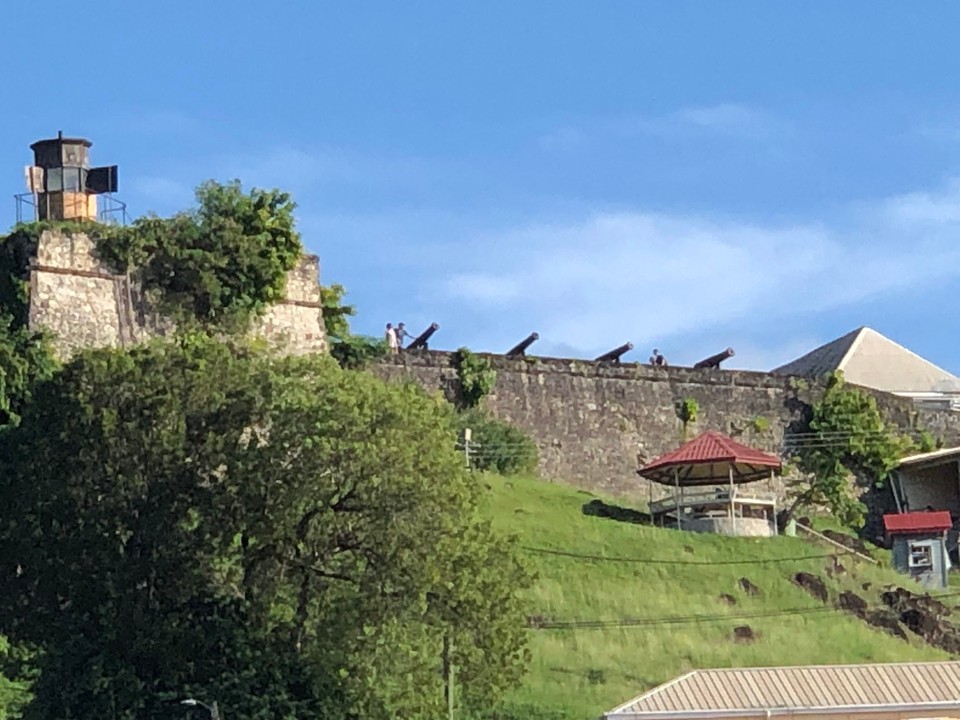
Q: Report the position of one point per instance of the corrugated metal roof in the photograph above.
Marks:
(920, 458)
(917, 522)
(707, 460)
(801, 688)
(872, 360)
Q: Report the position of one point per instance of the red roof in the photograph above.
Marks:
(916, 522)
(708, 459)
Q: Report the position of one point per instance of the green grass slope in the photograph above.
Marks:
(585, 671)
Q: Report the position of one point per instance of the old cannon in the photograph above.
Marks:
(714, 360)
(420, 341)
(615, 354)
(520, 349)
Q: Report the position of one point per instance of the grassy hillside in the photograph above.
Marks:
(586, 671)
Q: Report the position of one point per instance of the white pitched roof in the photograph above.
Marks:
(869, 359)
(735, 692)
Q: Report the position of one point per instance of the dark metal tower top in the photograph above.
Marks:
(61, 151)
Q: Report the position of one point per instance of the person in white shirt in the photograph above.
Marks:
(391, 336)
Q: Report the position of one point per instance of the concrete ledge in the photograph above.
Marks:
(741, 527)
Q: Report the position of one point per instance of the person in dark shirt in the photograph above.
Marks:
(402, 333)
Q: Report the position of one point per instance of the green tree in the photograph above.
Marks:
(847, 438)
(288, 538)
(218, 264)
(336, 313)
(26, 359)
(16, 680)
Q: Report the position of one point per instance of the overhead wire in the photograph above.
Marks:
(664, 561)
(600, 624)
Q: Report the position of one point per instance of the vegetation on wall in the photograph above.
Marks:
(288, 538)
(846, 438)
(687, 411)
(219, 264)
(475, 375)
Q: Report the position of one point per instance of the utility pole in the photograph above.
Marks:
(449, 674)
(469, 448)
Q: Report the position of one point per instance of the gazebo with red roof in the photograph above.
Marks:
(713, 459)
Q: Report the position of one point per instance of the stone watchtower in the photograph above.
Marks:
(63, 184)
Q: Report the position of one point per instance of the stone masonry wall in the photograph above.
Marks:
(595, 425)
(83, 304)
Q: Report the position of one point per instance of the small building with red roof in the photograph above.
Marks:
(919, 542)
(706, 478)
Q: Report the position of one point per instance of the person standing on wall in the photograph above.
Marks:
(391, 337)
(401, 334)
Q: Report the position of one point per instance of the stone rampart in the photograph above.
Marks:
(73, 295)
(595, 424)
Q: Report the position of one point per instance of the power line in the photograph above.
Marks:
(662, 561)
(601, 624)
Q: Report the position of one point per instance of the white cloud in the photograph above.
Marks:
(930, 208)
(651, 276)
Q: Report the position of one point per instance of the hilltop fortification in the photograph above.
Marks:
(594, 423)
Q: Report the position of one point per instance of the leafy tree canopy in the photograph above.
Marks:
(218, 264)
(847, 437)
(336, 313)
(289, 539)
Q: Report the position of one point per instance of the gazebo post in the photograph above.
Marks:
(677, 495)
(776, 528)
(733, 511)
(650, 501)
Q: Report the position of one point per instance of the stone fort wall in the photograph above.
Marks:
(73, 295)
(596, 424)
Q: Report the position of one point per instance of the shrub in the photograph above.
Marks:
(354, 352)
(499, 446)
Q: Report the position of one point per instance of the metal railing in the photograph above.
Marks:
(714, 497)
(110, 210)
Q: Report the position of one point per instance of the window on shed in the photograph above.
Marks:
(921, 555)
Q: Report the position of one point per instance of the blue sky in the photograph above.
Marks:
(686, 175)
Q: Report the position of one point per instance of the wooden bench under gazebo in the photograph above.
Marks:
(707, 476)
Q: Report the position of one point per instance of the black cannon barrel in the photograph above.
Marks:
(615, 354)
(420, 341)
(714, 360)
(521, 347)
